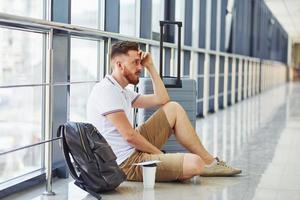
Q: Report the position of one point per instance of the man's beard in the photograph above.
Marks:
(132, 78)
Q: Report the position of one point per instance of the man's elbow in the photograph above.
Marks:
(131, 138)
(165, 100)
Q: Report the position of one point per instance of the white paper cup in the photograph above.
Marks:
(149, 176)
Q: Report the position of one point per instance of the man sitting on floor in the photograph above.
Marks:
(110, 106)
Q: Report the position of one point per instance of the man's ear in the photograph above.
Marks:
(115, 63)
(119, 65)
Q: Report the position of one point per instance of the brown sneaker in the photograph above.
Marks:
(220, 168)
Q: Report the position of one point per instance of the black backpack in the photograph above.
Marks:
(96, 169)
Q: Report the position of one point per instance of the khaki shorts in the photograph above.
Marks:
(157, 131)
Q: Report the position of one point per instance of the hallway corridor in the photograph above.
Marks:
(259, 135)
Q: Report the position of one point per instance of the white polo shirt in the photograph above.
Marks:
(108, 97)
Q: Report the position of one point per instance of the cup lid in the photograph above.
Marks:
(149, 163)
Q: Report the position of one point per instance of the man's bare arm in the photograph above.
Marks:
(120, 121)
(160, 95)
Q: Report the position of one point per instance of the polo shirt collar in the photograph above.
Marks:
(113, 81)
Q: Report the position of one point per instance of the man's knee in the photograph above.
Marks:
(172, 107)
(172, 110)
(172, 104)
(192, 165)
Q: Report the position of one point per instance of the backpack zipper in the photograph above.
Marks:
(82, 142)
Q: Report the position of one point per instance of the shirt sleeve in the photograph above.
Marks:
(110, 101)
(133, 96)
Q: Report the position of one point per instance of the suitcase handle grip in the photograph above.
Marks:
(162, 24)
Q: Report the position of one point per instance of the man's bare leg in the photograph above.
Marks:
(193, 165)
(184, 131)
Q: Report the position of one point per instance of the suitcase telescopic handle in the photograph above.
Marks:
(162, 24)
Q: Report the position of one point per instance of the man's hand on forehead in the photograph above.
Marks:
(142, 54)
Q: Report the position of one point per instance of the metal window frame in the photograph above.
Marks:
(217, 64)
(240, 75)
(246, 64)
(225, 90)
(207, 58)
(249, 88)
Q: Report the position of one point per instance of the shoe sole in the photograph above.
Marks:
(221, 175)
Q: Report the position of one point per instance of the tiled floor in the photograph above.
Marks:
(260, 135)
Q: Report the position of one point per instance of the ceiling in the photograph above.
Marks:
(287, 13)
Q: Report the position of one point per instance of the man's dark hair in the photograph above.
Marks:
(122, 47)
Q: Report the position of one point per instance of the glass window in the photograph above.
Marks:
(179, 11)
(84, 67)
(84, 55)
(28, 8)
(85, 13)
(20, 162)
(78, 100)
(185, 55)
(21, 55)
(155, 56)
(158, 7)
(128, 17)
(228, 23)
(20, 125)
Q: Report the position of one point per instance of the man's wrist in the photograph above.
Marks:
(150, 68)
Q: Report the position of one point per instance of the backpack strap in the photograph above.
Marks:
(66, 151)
(95, 194)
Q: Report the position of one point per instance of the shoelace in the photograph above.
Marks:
(222, 163)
